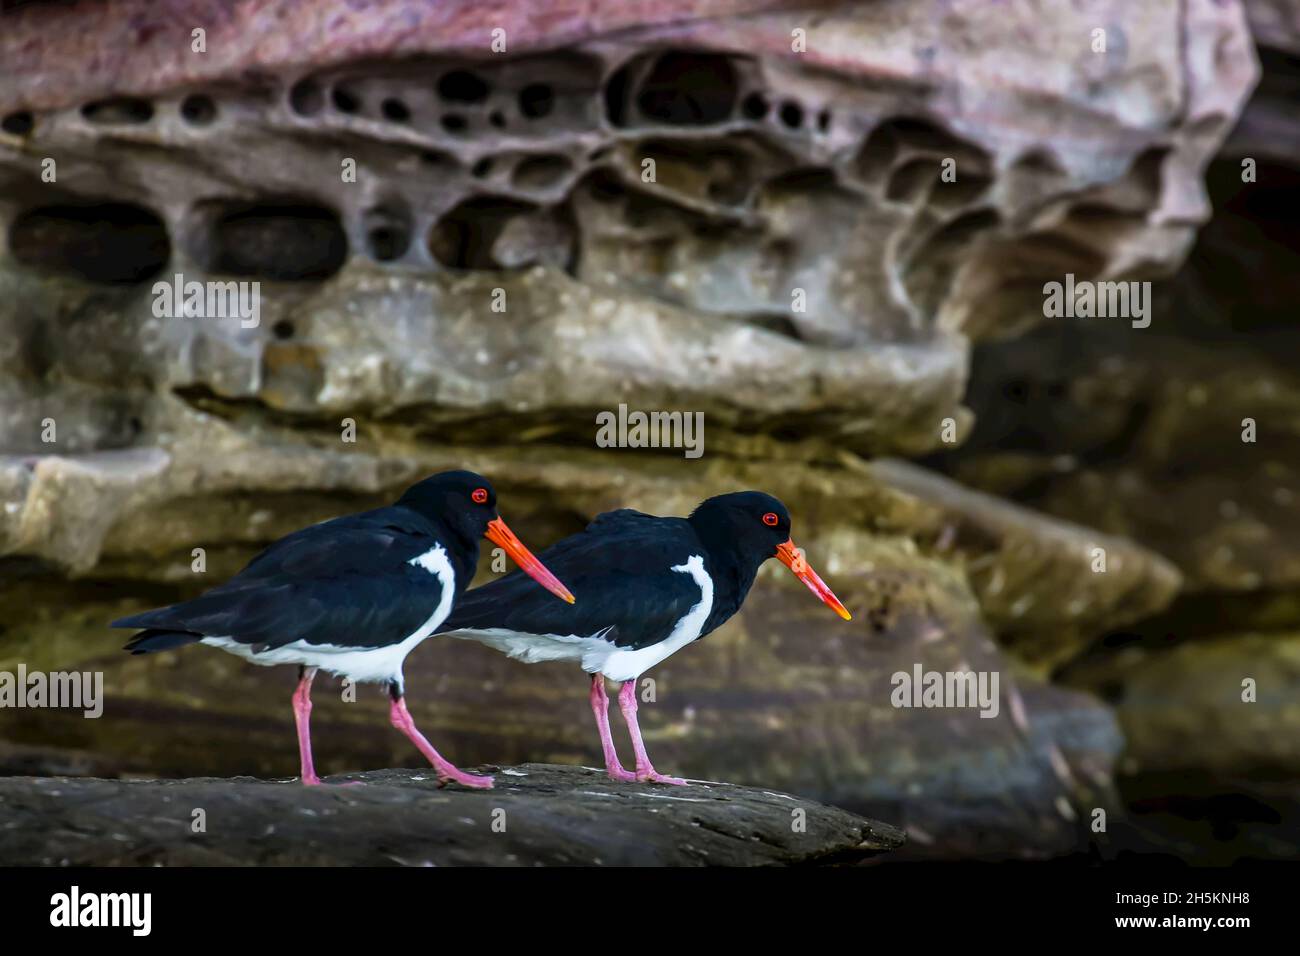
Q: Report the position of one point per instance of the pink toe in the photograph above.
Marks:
(471, 780)
(655, 776)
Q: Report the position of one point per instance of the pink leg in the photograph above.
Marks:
(401, 719)
(644, 770)
(302, 718)
(600, 707)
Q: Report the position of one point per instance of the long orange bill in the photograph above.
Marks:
(498, 533)
(793, 559)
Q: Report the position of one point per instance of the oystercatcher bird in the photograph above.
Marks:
(649, 587)
(352, 596)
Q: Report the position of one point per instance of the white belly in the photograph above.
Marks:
(594, 652)
(381, 664)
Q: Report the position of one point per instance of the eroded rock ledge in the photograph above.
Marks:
(538, 815)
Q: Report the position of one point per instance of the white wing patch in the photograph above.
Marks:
(594, 651)
(378, 664)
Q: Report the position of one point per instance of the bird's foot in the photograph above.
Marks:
(651, 775)
(616, 772)
(450, 774)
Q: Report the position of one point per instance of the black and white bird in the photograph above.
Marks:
(649, 587)
(353, 596)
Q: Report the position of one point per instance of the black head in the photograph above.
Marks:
(749, 523)
(744, 529)
(465, 504)
(461, 501)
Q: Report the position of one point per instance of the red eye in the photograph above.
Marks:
(479, 495)
(770, 519)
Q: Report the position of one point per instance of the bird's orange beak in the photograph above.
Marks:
(498, 533)
(793, 559)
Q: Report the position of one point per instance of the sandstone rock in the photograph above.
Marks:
(1187, 486)
(1181, 707)
(1139, 432)
(825, 187)
(1208, 777)
(538, 815)
(1047, 586)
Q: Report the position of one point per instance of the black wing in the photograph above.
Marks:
(619, 570)
(347, 582)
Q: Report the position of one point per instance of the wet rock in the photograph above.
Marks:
(537, 815)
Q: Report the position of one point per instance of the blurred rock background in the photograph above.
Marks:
(953, 459)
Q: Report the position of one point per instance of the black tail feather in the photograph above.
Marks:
(146, 642)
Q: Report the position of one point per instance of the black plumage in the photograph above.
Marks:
(348, 582)
(352, 596)
(620, 558)
(648, 586)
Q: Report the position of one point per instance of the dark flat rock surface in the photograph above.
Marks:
(537, 815)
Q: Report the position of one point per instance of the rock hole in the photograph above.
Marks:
(497, 119)
(541, 172)
(604, 188)
(395, 110)
(878, 154)
(536, 100)
(112, 243)
(387, 244)
(279, 241)
(791, 114)
(462, 86)
(440, 161)
(616, 96)
(966, 227)
(283, 330)
(482, 169)
(921, 134)
(345, 101)
(118, 111)
(911, 180)
(1147, 168)
(689, 89)
(18, 124)
(454, 123)
(1039, 161)
(464, 237)
(755, 106)
(388, 232)
(306, 98)
(198, 109)
(824, 121)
